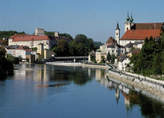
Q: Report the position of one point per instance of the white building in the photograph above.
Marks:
(24, 53)
(123, 62)
(31, 41)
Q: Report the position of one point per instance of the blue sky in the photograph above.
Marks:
(95, 18)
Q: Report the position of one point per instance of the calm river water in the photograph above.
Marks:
(45, 91)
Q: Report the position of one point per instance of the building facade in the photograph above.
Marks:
(31, 41)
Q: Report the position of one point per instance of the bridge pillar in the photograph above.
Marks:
(74, 60)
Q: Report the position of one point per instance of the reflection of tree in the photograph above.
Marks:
(78, 75)
(149, 108)
(80, 78)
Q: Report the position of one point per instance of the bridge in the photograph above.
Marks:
(69, 59)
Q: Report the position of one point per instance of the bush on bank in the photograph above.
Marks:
(6, 66)
(150, 60)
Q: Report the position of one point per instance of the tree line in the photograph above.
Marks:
(6, 65)
(81, 45)
(6, 35)
(150, 60)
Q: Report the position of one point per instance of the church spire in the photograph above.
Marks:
(131, 19)
(117, 26)
(128, 17)
(117, 33)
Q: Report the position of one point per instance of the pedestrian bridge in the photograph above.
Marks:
(69, 58)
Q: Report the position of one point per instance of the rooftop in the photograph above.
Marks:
(141, 34)
(26, 37)
(141, 31)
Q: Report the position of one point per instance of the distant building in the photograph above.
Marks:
(111, 46)
(24, 53)
(56, 34)
(39, 32)
(100, 55)
(39, 42)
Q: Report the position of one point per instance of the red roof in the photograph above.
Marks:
(148, 25)
(25, 37)
(110, 41)
(141, 34)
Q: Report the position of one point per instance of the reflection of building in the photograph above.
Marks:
(117, 95)
(98, 74)
(41, 74)
(126, 100)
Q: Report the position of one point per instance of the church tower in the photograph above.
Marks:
(117, 34)
(129, 23)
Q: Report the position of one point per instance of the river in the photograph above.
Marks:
(45, 91)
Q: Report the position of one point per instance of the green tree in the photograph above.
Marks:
(109, 57)
(102, 59)
(113, 57)
(6, 67)
(62, 48)
(93, 57)
(156, 66)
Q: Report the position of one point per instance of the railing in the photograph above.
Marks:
(72, 57)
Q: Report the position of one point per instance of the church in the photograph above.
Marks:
(137, 32)
(133, 37)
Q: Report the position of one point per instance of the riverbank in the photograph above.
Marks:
(147, 86)
(84, 65)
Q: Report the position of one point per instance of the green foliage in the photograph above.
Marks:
(51, 34)
(80, 46)
(2, 52)
(7, 34)
(97, 45)
(6, 66)
(65, 36)
(109, 57)
(62, 48)
(113, 59)
(93, 57)
(150, 60)
(12, 59)
(102, 60)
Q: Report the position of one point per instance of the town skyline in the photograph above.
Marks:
(96, 19)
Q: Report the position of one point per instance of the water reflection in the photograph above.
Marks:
(46, 74)
(58, 89)
(149, 107)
